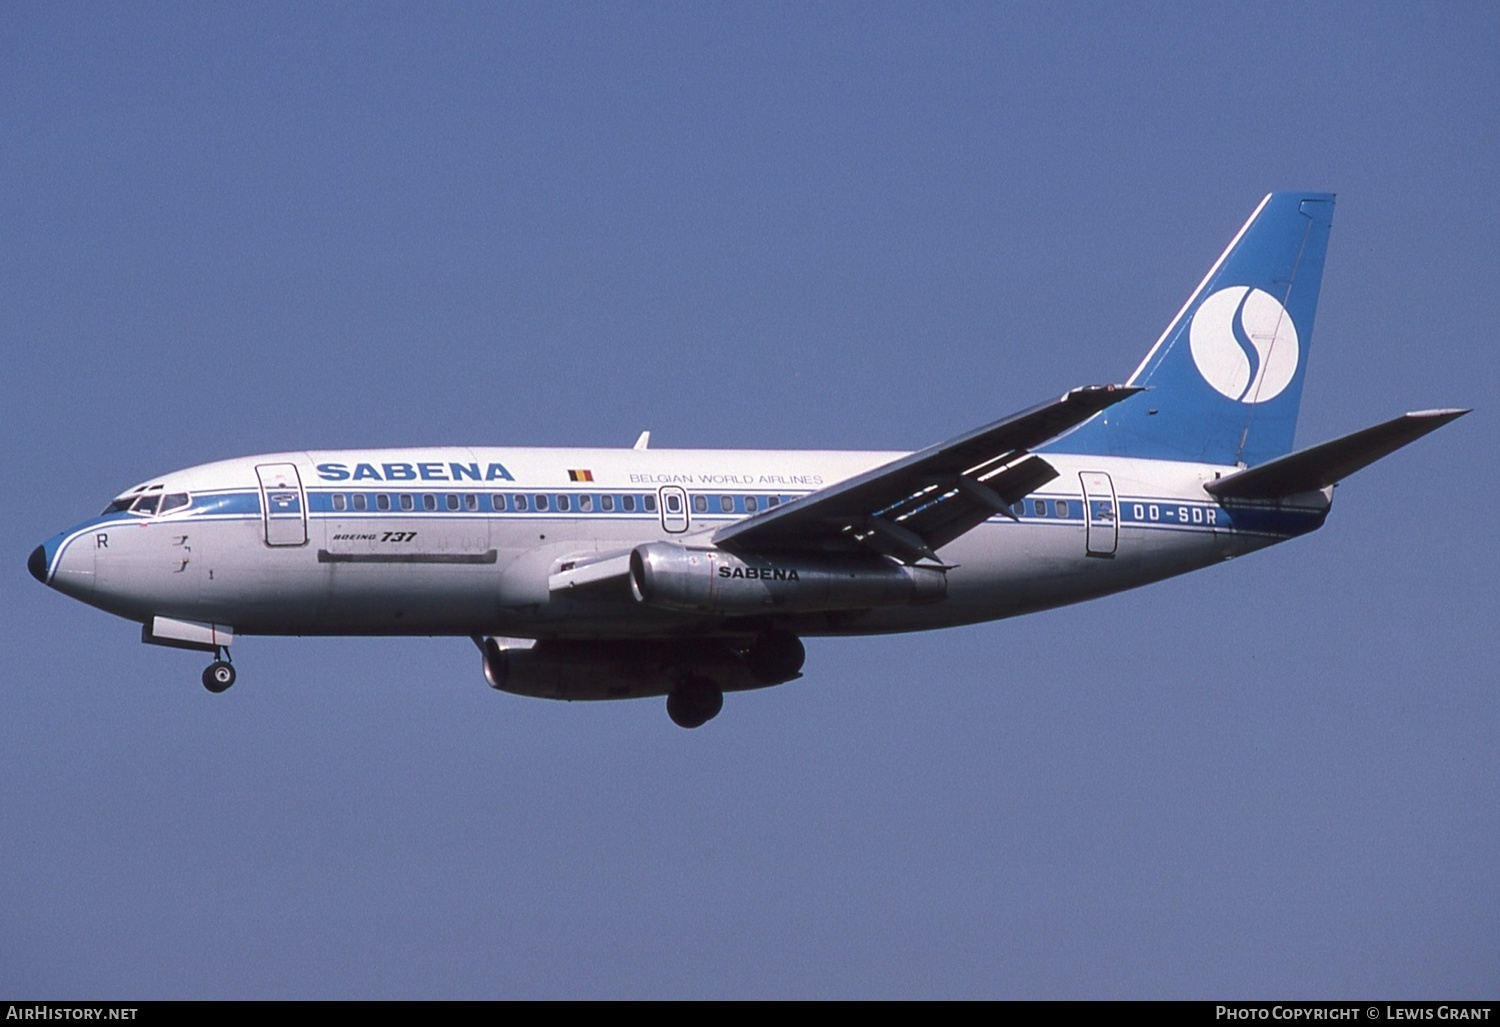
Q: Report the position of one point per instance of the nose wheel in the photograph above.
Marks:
(219, 675)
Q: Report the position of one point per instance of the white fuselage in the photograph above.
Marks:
(461, 541)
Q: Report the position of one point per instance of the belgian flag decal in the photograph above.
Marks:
(580, 475)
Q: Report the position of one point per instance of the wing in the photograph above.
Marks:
(913, 506)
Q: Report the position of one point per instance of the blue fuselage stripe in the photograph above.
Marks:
(1149, 513)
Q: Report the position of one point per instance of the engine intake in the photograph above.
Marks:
(712, 580)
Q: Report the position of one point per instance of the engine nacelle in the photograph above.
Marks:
(578, 670)
(712, 580)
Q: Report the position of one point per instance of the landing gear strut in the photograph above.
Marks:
(220, 674)
(694, 702)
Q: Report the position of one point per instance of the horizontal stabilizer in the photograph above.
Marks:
(1321, 466)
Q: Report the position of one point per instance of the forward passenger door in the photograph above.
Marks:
(283, 504)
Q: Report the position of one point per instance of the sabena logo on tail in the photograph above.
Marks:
(1245, 344)
(1223, 383)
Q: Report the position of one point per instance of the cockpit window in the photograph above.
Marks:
(150, 504)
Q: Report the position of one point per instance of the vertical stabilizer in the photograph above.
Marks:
(1224, 381)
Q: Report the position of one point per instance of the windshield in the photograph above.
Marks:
(151, 503)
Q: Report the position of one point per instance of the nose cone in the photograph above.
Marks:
(66, 562)
(36, 563)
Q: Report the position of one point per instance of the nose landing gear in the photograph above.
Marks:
(220, 674)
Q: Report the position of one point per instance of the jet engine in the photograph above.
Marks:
(712, 580)
(693, 674)
(587, 669)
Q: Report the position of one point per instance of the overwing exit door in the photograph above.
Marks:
(674, 510)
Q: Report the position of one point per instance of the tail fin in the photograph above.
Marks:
(1224, 381)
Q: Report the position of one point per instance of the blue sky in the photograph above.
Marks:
(240, 229)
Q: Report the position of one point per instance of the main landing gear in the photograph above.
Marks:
(694, 702)
(774, 657)
(220, 674)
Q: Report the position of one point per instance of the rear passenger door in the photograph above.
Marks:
(1099, 504)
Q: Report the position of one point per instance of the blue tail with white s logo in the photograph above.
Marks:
(1224, 381)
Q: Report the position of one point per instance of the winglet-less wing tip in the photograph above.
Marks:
(1104, 395)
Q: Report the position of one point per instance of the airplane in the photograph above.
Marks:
(587, 574)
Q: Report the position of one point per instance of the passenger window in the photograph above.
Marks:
(700, 504)
(452, 501)
(382, 502)
(772, 501)
(541, 503)
(338, 501)
(650, 502)
(674, 503)
(726, 504)
(359, 501)
(606, 503)
(518, 503)
(497, 503)
(471, 501)
(1061, 507)
(407, 502)
(751, 505)
(585, 503)
(627, 503)
(563, 504)
(1041, 507)
(429, 502)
